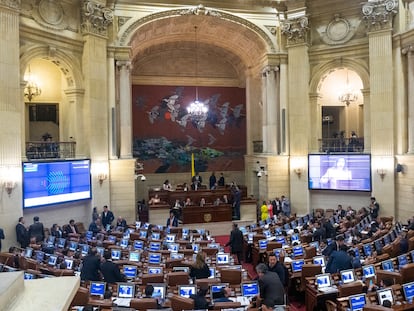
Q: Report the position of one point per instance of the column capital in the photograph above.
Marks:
(11, 4)
(407, 50)
(378, 14)
(296, 30)
(268, 69)
(124, 64)
(95, 18)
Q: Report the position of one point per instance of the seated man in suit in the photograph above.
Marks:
(339, 260)
(71, 228)
(110, 270)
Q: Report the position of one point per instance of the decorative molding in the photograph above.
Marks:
(200, 10)
(122, 20)
(409, 49)
(268, 69)
(296, 30)
(378, 14)
(12, 4)
(96, 18)
(338, 31)
(213, 13)
(121, 64)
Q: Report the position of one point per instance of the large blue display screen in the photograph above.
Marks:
(46, 183)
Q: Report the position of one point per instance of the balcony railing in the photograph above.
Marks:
(39, 150)
(341, 144)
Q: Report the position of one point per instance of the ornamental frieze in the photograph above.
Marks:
(96, 18)
(296, 30)
(378, 14)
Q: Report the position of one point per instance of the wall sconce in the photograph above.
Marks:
(298, 171)
(260, 170)
(8, 179)
(381, 172)
(102, 177)
(32, 88)
(399, 168)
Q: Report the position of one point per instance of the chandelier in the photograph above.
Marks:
(197, 110)
(31, 89)
(349, 95)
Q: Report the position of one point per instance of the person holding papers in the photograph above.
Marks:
(272, 293)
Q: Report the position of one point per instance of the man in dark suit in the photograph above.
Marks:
(110, 270)
(71, 227)
(172, 221)
(272, 293)
(374, 208)
(1, 236)
(91, 264)
(22, 234)
(107, 217)
(236, 243)
(334, 246)
(339, 260)
(36, 230)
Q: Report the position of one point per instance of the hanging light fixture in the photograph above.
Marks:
(31, 89)
(349, 95)
(197, 110)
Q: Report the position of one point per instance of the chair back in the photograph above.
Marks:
(350, 289)
(143, 304)
(152, 278)
(81, 297)
(407, 273)
(226, 305)
(392, 275)
(179, 303)
(178, 278)
(308, 270)
(231, 276)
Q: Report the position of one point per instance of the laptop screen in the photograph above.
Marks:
(297, 251)
(40, 256)
(69, 263)
(174, 255)
(262, 244)
(116, 254)
(196, 248)
(387, 265)
(212, 273)
(181, 269)
(347, 276)
(97, 289)
(357, 302)
(186, 290)
(402, 260)
(123, 243)
(154, 258)
(155, 236)
(126, 290)
(367, 249)
(267, 233)
(314, 244)
(159, 291)
(297, 265)
(28, 252)
(408, 290)
(368, 271)
(130, 272)
(134, 256)
(138, 244)
(143, 234)
(112, 238)
(222, 258)
(319, 260)
(84, 249)
(173, 247)
(154, 270)
(281, 239)
(385, 294)
(170, 238)
(100, 250)
(215, 289)
(250, 289)
(154, 246)
(50, 240)
(52, 260)
(294, 238)
(89, 235)
(29, 276)
(73, 246)
(323, 280)
(277, 252)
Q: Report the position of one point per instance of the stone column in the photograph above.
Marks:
(410, 95)
(11, 117)
(76, 128)
(271, 105)
(112, 124)
(316, 115)
(125, 98)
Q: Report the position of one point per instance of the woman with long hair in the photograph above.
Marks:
(200, 270)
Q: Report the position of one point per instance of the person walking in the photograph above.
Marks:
(236, 243)
(22, 233)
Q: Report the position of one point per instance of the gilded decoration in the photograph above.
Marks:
(96, 18)
(296, 30)
(14, 4)
(378, 14)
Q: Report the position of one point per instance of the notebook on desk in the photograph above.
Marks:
(324, 283)
(126, 291)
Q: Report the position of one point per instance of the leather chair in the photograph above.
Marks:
(210, 251)
(407, 273)
(308, 270)
(372, 307)
(329, 212)
(152, 278)
(331, 306)
(392, 275)
(179, 303)
(7, 259)
(310, 252)
(205, 283)
(350, 289)
(142, 304)
(81, 297)
(411, 243)
(177, 278)
(233, 277)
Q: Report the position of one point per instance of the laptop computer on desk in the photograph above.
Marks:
(126, 291)
(324, 283)
(248, 291)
